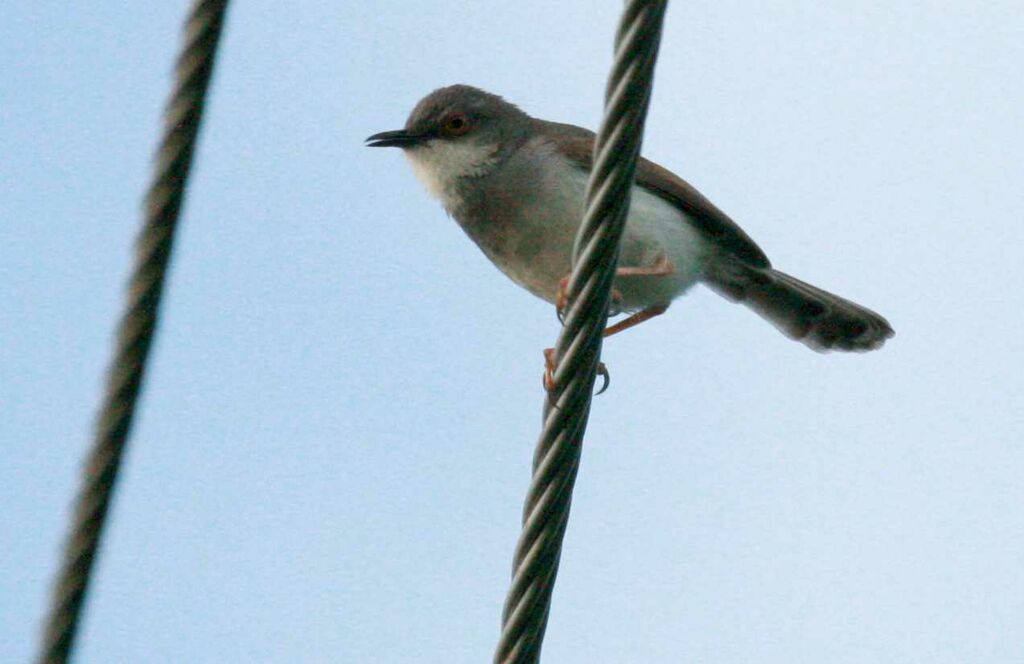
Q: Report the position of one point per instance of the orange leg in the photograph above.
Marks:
(562, 299)
(632, 321)
(549, 369)
(635, 319)
(661, 268)
(549, 372)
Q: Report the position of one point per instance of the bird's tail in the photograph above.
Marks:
(817, 318)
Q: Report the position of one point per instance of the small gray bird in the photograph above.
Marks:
(516, 185)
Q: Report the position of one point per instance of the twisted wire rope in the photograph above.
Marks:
(162, 206)
(577, 352)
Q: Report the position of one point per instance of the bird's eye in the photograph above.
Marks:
(456, 124)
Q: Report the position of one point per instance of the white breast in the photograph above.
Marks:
(437, 164)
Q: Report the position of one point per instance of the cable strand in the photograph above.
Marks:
(162, 206)
(578, 350)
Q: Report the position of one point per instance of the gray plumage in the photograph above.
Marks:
(516, 185)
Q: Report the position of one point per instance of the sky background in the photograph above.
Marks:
(335, 439)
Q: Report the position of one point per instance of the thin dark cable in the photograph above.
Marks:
(135, 332)
(595, 256)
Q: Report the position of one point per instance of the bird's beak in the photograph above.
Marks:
(399, 139)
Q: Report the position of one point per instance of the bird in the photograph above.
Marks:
(517, 184)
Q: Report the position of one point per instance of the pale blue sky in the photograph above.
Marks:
(335, 439)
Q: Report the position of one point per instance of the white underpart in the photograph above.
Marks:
(550, 215)
(438, 164)
(655, 230)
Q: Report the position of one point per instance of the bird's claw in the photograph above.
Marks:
(606, 378)
(549, 374)
(549, 370)
(562, 300)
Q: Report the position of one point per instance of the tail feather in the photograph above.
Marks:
(817, 318)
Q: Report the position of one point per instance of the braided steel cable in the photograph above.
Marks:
(577, 353)
(135, 333)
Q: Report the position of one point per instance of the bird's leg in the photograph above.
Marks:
(562, 298)
(602, 370)
(661, 268)
(549, 372)
(635, 319)
(549, 369)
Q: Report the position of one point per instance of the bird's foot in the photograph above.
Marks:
(549, 374)
(635, 319)
(562, 300)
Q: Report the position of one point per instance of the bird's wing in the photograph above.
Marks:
(577, 144)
